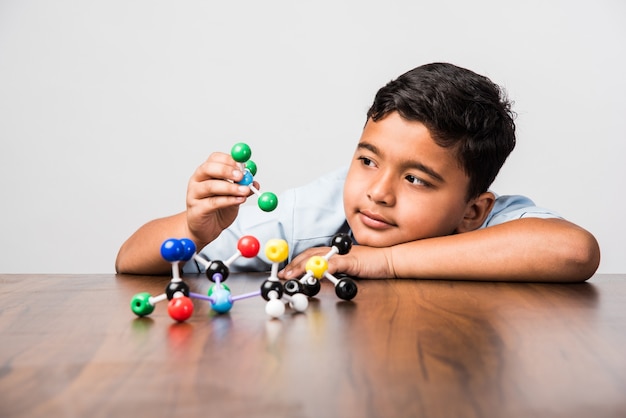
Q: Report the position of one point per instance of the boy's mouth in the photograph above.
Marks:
(374, 220)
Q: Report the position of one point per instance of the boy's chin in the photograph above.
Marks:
(374, 240)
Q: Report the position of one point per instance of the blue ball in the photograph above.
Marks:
(172, 250)
(247, 179)
(189, 248)
(222, 301)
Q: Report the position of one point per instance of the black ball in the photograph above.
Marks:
(293, 286)
(343, 242)
(176, 286)
(311, 289)
(346, 289)
(217, 267)
(271, 286)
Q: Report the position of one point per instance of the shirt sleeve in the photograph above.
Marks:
(508, 208)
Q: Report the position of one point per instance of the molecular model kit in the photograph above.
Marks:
(294, 293)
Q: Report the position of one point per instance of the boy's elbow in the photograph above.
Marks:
(134, 264)
(124, 264)
(583, 255)
(120, 266)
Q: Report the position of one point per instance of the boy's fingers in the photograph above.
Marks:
(218, 166)
(297, 266)
(213, 188)
(204, 206)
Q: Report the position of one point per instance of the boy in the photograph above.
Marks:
(415, 199)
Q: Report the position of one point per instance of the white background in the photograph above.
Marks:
(107, 107)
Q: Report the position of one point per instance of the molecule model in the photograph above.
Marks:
(241, 153)
(317, 268)
(180, 306)
(271, 289)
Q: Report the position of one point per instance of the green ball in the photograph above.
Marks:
(212, 289)
(140, 304)
(241, 152)
(251, 165)
(268, 201)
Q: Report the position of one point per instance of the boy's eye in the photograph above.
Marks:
(366, 161)
(416, 181)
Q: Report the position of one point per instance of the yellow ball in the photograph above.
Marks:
(277, 250)
(317, 265)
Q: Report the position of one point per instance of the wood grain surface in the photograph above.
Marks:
(71, 347)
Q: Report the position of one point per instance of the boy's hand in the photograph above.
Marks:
(212, 201)
(361, 262)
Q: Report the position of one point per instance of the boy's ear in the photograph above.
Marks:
(476, 212)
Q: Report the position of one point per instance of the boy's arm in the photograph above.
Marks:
(529, 249)
(141, 253)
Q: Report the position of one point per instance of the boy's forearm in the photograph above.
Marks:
(141, 253)
(547, 250)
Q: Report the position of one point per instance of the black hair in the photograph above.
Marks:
(462, 110)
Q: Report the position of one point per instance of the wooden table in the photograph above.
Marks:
(71, 347)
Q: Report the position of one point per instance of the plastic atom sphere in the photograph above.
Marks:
(217, 267)
(342, 242)
(274, 308)
(293, 286)
(251, 166)
(346, 289)
(247, 179)
(269, 287)
(248, 246)
(174, 287)
(172, 250)
(222, 300)
(317, 265)
(189, 248)
(241, 152)
(180, 308)
(276, 250)
(140, 304)
(312, 289)
(268, 202)
(214, 288)
(299, 302)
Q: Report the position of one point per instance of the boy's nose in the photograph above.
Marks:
(381, 191)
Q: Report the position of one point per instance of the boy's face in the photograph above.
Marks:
(402, 186)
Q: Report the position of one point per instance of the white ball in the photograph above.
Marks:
(274, 308)
(299, 302)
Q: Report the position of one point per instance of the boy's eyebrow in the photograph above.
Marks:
(411, 164)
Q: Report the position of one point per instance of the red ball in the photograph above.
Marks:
(248, 246)
(180, 308)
